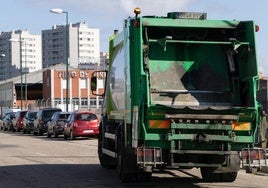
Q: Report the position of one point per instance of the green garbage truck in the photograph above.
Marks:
(180, 93)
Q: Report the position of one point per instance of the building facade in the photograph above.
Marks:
(79, 93)
(19, 50)
(83, 43)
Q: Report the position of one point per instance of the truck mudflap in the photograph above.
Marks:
(254, 160)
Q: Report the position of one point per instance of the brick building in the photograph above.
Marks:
(80, 95)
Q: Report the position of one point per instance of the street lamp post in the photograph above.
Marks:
(21, 72)
(25, 72)
(60, 11)
(2, 56)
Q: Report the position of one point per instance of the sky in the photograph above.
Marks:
(108, 15)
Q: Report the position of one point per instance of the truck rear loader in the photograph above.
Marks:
(180, 92)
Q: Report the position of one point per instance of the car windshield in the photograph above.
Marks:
(23, 113)
(48, 114)
(64, 116)
(31, 114)
(86, 117)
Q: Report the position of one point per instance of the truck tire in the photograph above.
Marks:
(144, 176)
(209, 175)
(228, 177)
(121, 162)
(124, 161)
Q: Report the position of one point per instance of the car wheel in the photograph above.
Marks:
(55, 134)
(72, 135)
(48, 134)
(65, 136)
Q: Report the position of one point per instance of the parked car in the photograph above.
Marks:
(56, 124)
(7, 121)
(81, 124)
(18, 120)
(28, 121)
(41, 119)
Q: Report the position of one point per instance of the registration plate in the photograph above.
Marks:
(88, 131)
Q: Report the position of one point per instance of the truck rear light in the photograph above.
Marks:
(136, 23)
(257, 28)
(241, 126)
(254, 154)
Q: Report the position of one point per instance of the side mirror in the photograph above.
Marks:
(95, 78)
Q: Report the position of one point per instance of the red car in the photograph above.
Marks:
(81, 124)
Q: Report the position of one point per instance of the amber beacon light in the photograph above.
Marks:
(137, 11)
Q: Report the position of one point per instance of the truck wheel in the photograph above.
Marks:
(229, 177)
(105, 160)
(123, 175)
(144, 176)
(123, 162)
(208, 175)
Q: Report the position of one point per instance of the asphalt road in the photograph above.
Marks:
(28, 161)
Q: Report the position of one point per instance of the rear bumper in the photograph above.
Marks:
(43, 129)
(59, 130)
(29, 127)
(86, 132)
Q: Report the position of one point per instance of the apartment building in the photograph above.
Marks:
(83, 44)
(19, 50)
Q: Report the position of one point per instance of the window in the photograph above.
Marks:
(83, 83)
(84, 102)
